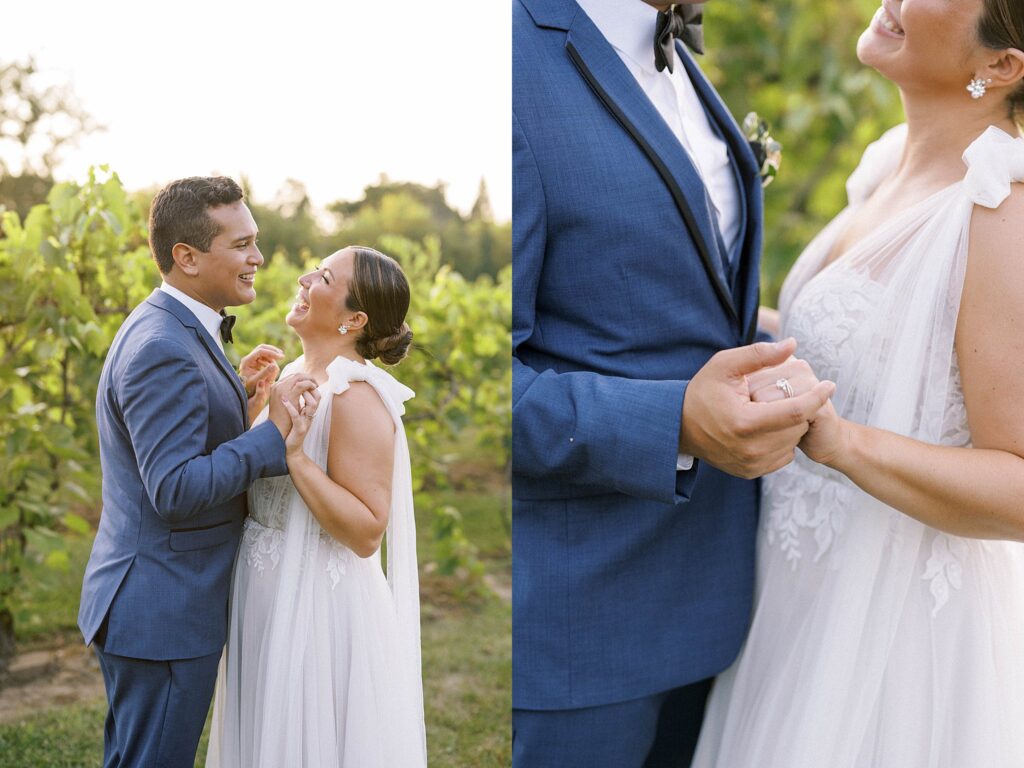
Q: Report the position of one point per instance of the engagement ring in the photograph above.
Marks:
(786, 387)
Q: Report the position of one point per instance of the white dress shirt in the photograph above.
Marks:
(628, 26)
(209, 318)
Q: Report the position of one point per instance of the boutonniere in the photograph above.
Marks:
(767, 150)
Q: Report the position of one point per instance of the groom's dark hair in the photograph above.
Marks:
(180, 214)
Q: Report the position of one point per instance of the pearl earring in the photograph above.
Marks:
(343, 330)
(977, 87)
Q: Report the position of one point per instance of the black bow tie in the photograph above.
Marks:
(682, 21)
(225, 327)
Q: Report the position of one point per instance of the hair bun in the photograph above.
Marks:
(389, 349)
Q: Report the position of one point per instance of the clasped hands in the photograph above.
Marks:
(293, 399)
(738, 419)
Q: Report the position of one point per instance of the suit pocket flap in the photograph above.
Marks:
(184, 539)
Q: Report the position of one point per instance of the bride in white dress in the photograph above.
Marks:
(888, 629)
(322, 663)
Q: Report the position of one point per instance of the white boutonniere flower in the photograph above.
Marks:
(767, 150)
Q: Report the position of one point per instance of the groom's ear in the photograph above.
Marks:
(185, 258)
(1007, 71)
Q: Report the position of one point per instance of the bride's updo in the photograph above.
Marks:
(1002, 26)
(378, 287)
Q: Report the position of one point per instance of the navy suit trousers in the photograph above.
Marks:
(658, 731)
(156, 709)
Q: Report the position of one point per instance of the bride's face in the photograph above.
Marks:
(926, 46)
(320, 302)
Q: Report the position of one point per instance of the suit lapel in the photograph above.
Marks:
(176, 308)
(613, 84)
(748, 183)
(226, 369)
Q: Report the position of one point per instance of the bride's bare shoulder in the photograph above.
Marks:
(997, 236)
(989, 342)
(359, 413)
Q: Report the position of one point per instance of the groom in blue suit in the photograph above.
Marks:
(636, 238)
(177, 460)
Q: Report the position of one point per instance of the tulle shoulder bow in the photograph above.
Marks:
(994, 161)
(343, 371)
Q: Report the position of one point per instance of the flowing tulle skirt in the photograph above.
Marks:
(353, 706)
(860, 660)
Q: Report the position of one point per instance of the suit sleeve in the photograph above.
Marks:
(165, 407)
(582, 428)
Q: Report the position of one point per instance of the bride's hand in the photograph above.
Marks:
(292, 388)
(826, 440)
(765, 386)
(301, 417)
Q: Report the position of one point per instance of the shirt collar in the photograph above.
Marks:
(628, 25)
(208, 317)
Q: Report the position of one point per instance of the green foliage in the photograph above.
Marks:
(794, 62)
(456, 555)
(68, 275)
(69, 737)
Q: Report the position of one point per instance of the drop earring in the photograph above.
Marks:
(977, 87)
(343, 330)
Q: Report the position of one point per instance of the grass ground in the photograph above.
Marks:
(467, 651)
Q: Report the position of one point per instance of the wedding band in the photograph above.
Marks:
(786, 387)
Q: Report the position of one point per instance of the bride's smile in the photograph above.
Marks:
(886, 20)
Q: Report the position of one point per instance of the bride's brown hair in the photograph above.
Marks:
(379, 288)
(1002, 26)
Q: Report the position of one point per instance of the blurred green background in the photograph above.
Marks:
(794, 62)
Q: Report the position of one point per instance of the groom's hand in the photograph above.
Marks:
(260, 365)
(724, 427)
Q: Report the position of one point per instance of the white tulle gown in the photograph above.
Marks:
(877, 641)
(322, 664)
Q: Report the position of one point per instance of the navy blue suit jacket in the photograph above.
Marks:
(177, 461)
(630, 577)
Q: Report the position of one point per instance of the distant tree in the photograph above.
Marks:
(432, 198)
(472, 245)
(37, 121)
(482, 207)
(288, 223)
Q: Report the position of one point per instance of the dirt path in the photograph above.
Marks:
(45, 678)
(68, 672)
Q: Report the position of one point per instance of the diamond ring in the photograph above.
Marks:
(785, 387)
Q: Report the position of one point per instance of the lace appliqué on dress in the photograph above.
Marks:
(828, 319)
(944, 568)
(261, 544)
(799, 498)
(337, 560)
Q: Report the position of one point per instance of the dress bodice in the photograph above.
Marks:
(880, 322)
(269, 497)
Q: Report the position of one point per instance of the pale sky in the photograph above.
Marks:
(330, 92)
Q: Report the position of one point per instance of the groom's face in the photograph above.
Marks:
(226, 275)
